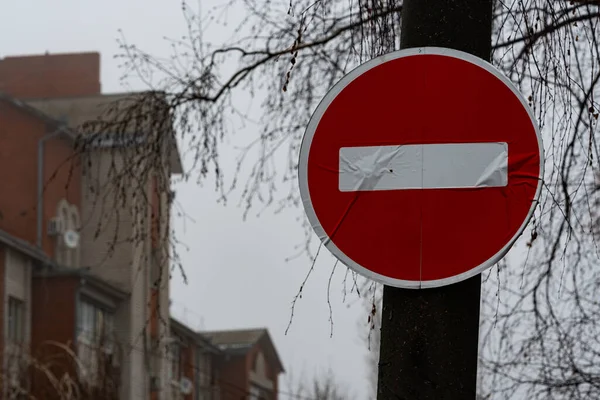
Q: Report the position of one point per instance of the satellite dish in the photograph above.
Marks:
(185, 386)
(71, 238)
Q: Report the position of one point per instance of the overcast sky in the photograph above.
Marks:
(237, 273)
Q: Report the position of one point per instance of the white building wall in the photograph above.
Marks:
(18, 285)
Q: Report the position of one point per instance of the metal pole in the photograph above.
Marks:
(40, 184)
(430, 337)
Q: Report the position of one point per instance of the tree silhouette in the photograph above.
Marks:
(540, 318)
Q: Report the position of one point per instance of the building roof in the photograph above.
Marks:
(235, 338)
(46, 267)
(240, 341)
(129, 111)
(180, 328)
(68, 113)
(23, 246)
(53, 270)
(36, 113)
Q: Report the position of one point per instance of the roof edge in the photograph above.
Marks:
(201, 339)
(23, 246)
(267, 335)
(264, 335)
(48, 120)
(56, 271)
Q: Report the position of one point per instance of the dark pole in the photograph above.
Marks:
(430, 337)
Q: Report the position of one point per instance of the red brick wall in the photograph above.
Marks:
(18, 171)
(53, 75)
(234, 375)
(62, 180)
(53, 302)
(276, 387)
(53, 318)
(2, 286)
(19, 136)
(270, 369)
(188, 366)
(233, 378)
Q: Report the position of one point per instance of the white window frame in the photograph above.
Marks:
(204, 375)
(16, 331)
(255, 393)
(94, 324)
(15, 340)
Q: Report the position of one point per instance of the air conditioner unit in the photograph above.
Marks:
(186, 386)
(55, 227)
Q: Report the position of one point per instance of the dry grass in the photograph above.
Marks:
(56, 372)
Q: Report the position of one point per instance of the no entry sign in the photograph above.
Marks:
(421, 168)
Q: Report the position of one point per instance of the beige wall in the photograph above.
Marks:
(120, 254)
(140, 315)
(106, 221)
(115, 240)
(128, 265)
(260, 375)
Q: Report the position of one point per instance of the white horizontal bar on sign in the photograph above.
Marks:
(423, 166)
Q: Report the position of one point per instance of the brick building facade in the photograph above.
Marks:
(84, 278)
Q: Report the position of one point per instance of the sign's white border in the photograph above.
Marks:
(310, 132)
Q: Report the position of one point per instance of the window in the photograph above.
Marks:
(95, 324)
(259, 365)
(204, 376)
(95, 329)
(204, 369)
(254, 393)
(174, 356)
(13, 351)
(259, 393)
(16, 320)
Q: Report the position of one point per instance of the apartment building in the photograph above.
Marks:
(195, 363)
(84, 250)
(22, 246)
(250, 367)
(91, 215)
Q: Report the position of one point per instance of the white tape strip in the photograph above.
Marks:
(423, 166)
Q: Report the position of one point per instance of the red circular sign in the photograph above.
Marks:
(421, 168)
